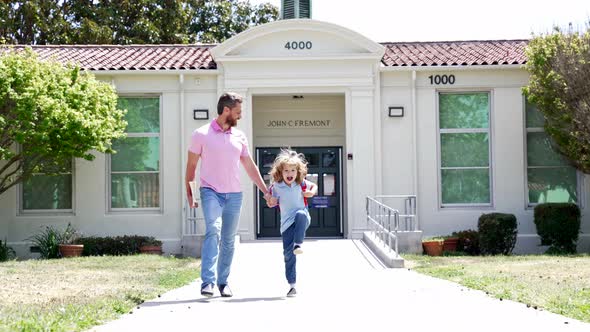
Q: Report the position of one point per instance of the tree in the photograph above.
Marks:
(50, 114)
(559, 67)
(34, 22)
(126, 22)
(216, 21)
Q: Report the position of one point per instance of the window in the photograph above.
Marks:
(550, 179)
(135, 168)
(464, 141)
(48, 193)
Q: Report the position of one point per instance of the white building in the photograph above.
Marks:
(445, 121)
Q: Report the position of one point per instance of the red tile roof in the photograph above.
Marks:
(455, 53)
(130, 57)
(183, 57)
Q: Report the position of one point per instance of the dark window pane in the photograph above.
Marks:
(469, 110)
(268, 158)
(541, 153)
(465, 186)
(329, 159)
(464, 150)
(534, 117)
(552, 185)
(43, 192)
(143, 114)
(313, 159)
(135, 191)
(136, 154)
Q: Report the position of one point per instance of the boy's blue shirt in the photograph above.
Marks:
(290, 201)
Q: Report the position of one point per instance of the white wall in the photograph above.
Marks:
(507, 143)
(311, 107)
(351, 107)
(91, 215)
(397, 136)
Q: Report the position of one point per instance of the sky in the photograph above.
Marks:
(446, 20)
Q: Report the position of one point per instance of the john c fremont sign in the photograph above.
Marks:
(291, 124)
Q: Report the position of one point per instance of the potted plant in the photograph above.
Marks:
(151, 246)
(68, 244)
(433, 246)
(450, 243)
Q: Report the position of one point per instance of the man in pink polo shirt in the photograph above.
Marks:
(221, 148)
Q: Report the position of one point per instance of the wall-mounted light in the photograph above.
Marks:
(201, 114)
(396, 111)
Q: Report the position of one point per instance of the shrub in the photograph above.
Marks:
(115, 246)
(558, 225)
(497, 233)
(48, 242)
(6, 252)
(468, 241)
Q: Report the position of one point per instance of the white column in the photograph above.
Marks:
(362, 168)
(377, 136)
(247, 220)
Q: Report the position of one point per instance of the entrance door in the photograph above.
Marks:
(324, 168)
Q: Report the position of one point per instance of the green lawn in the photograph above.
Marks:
(77, 293)
(560, 284)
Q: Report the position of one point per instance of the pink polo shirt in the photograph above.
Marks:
(220, 156)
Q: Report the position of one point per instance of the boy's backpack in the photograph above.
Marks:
(303, 189)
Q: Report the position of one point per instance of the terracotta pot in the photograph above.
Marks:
(71, 250)
(450, 244)
(433, 248)
(151, 250)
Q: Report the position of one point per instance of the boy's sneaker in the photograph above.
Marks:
(292, 292)
(297, 251)
(207, 290)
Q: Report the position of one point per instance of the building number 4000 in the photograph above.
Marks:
(298, 45)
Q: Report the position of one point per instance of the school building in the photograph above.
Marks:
(444, 121)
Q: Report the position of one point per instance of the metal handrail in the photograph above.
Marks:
(379, 222)
(190, 227)
(410, 216)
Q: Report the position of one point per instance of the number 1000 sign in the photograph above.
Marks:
(442, 79)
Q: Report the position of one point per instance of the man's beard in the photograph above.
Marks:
(231, 122)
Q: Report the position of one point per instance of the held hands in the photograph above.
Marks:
(272, 202)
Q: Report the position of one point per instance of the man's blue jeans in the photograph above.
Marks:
(294, 234)
(222, 216)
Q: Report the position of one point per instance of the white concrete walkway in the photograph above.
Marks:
(340, 287)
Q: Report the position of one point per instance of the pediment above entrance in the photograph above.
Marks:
(297, 40)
